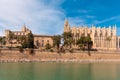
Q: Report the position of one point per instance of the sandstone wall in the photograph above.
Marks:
(7, 54)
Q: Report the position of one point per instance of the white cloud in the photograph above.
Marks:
(83, 11)
(106, 20)
(76, 21)
(40, 16)
(89, 16)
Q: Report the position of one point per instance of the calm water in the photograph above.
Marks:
(59, 71)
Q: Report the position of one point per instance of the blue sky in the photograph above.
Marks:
(47, 16)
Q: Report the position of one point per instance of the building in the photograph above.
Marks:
(14, 42)
(103, 38)
(39, 40)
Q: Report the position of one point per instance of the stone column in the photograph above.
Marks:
(118, 43)
(102, 43)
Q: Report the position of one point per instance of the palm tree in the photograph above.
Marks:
(89, 44)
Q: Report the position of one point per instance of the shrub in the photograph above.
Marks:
(51, 50)
(71, 50)
(31, 51)
(21, 50)
(48, 46)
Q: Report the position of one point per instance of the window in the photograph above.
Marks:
(96, 34)
(42, 40)
(42, 45)
(48, 41)
(88, 35)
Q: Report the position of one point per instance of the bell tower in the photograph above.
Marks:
(24, 28)
(66, 26)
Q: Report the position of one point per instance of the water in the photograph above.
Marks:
(59, 71)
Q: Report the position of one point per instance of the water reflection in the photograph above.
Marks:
(59, 71)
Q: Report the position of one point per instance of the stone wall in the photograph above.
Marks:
(15, 56)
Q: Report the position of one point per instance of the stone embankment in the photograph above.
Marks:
(16, 56)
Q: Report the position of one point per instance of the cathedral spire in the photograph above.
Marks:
(66, 26)
(66, 23)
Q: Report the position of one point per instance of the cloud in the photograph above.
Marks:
(90, 16)
(41, 16)
(84, 11)
(76, 21)
(106, 20)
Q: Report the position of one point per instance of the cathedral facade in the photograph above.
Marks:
(103, 38)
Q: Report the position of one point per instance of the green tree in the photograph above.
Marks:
(29, 41)
(81, 42)
(11, 36)
(48, 46)
(21, 38)
(2, 41)
(85, 42)
(56, 41)
(68, 39)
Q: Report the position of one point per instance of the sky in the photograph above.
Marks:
(48, 16)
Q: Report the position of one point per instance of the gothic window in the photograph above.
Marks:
(88, 35)
(106, 34)
(91, 31)
(100, 34)
(95, 34)
(111, 34)
(83, 34)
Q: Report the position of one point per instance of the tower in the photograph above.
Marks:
(24, 28)
(66, 26)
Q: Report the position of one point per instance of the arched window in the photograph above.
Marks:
(88, 35)
(96, 34)
(101, 34)
(106, 34)
(83, 34)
